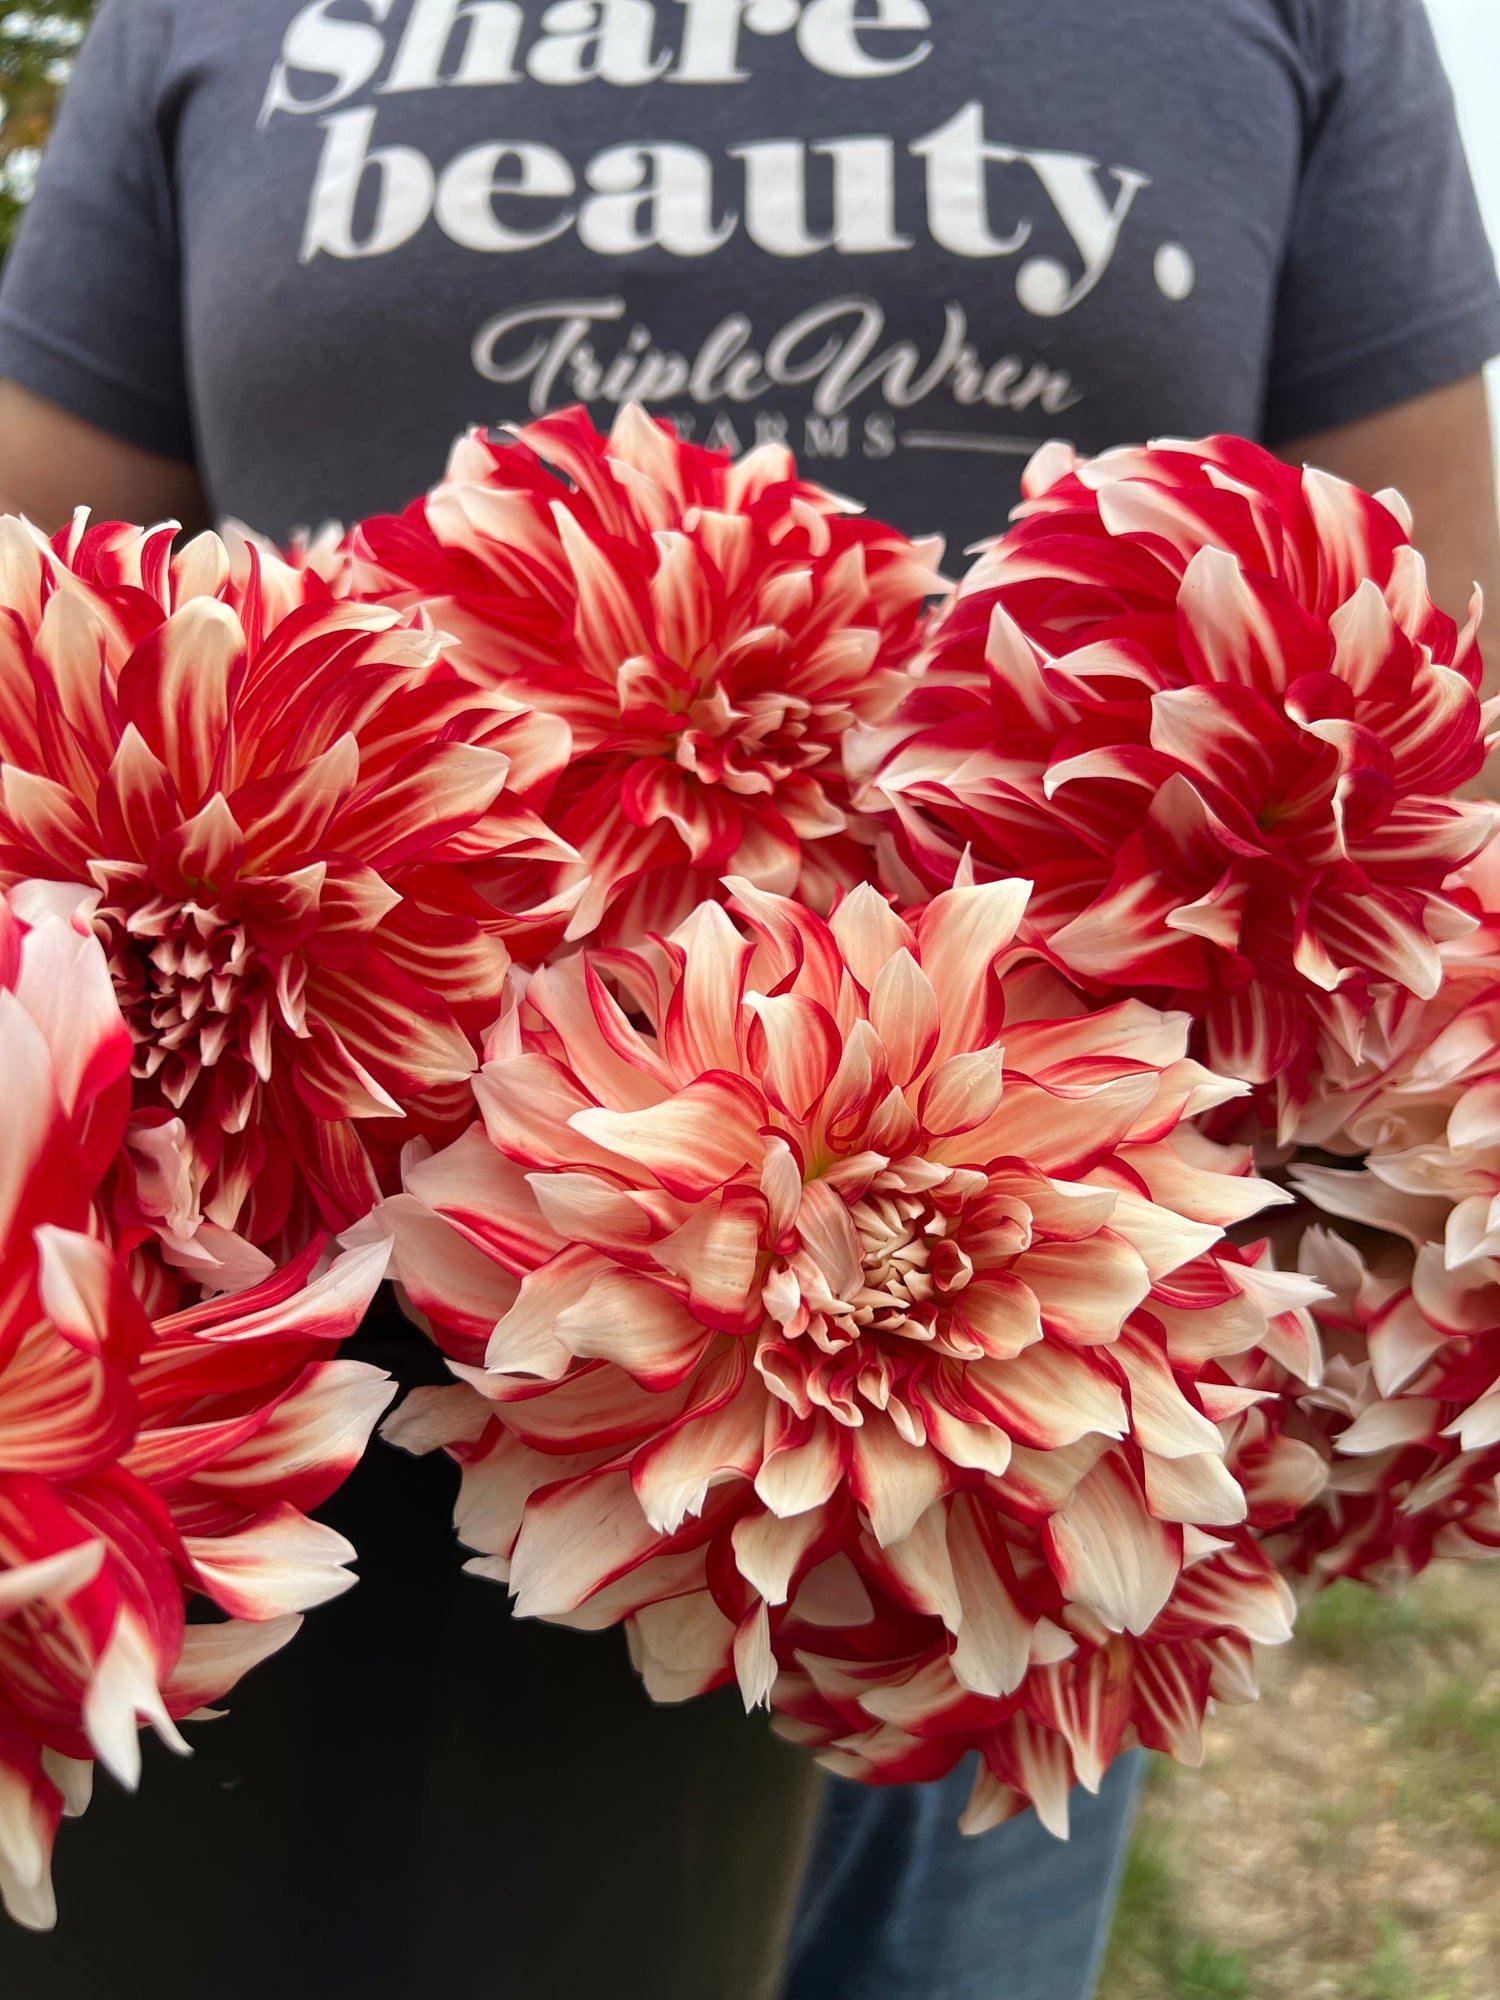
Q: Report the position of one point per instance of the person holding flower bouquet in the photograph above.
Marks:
(280, 255)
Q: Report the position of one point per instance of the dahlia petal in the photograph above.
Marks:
(1160, 1415)
(681, 1646)
(176, 690)
(719, 1436)
(795, 1048)
(614, 1063)
(428, 1418)
(430, 798)
(214, 1657)
(1171, 1692)
(993, 1649)
(923, 1571)
(525, 1340)
(904, 1013)
(1042, 1770)
(1003, 1313)
(1109, 1553)
(1479, 1426)
(1197, 1488)
(76, 1280)
(310, 1442)
(754, 1662)
(976, 1447)
(960, 935)
(700, 1029)
(51, 1579)
(1088, 1289)
(635, 1324)
(802, 1468)
(63, 983)
(28, 1821)
(1242, 630)
(328, 1308)
(693, 1143)
(1048, 1397)
(824, 1225)
(894, 1482)
(990, 1803)
(770, 1551)
(869, 933)
(45, 816)
(124, 1689)
(584, 1205)
(288, 816)
(281, 1563)
(716, 1253)
(1089, 1706)
(1386, 1425)
(1163, 1239)
(962, 1092)
(575, 1538)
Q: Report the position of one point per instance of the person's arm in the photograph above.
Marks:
(52, 462)
(1438, 451)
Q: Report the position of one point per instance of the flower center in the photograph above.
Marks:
(750, 747)
(196, 992)
(874, 1289)
(910, 1266)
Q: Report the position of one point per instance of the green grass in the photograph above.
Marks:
(1153, 1954)
(1353, 1623)
(1455, 1719)
(1390, 1972)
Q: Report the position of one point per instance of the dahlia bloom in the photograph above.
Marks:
(873, 1255)
(1208, 702)
(277, 803)
(141, 1464)
(1410, 1409)
(707, 629)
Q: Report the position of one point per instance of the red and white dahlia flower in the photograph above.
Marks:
(707, 629)
(872, 1262)
(1207, 701)
(141, 1464)
(282, 807)
(1409, 1412)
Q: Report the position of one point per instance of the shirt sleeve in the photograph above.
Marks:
(1388, 289)
(91, 299)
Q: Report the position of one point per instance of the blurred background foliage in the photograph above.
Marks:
(36, 47)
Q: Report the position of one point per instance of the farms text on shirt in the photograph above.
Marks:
(308, 243)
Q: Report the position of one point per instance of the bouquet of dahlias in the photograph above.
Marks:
(812, 1051)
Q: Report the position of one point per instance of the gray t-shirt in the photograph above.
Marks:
(306, 244)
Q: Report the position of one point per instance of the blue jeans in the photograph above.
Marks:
(898, 1905)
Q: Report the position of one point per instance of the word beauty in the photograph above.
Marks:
(511, 195)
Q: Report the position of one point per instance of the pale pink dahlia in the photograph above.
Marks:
(1207, 701)
(793, 1250)
(141, 1464)
(707, 629)
(279, 803)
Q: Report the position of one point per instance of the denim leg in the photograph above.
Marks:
(898, 1905)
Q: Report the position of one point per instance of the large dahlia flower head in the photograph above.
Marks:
(708, 630)
(843, 1305)
(283, 806)
(1408, 1413)
(142, 1464)
(1207, 702)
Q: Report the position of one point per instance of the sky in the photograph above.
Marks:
(1468, 33)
